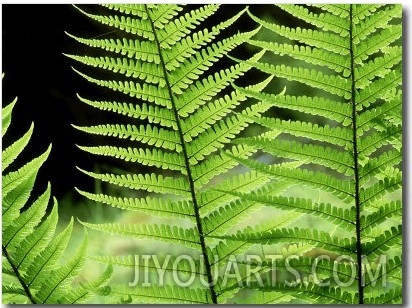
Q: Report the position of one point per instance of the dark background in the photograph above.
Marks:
(41, 76)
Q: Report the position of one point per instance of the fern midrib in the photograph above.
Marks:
(19, 277)
(355, 159)
(187, 164)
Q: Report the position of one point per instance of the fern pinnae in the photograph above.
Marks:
(25, 223)
(176, 234)
(6, 115)
(9, 153)
(154, 114)
(324, 20)
(161, 207)
(310, 105)
(363, 59)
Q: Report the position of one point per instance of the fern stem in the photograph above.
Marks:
(199, 226)
(355, 157)
(19, 277)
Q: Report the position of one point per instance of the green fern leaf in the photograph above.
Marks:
(352, 52)
(31, 251)
(166, 62)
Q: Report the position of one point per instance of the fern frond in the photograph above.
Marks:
(376, 140)
(187, 46)
(179, 28)
(144, 71)
(133, 9)
(216, 136)
(161, 14)
(224, 218)
(375, 21)
(24, 224)
(340, 10)
(393, 267)
(40, 239)
(363, 11)
(265, 297)
(82, 293)
(353, 52)
(124, 23)
(206, 170)
(31, 251)
(62, 277)
(162, 138)
(324, 267)
(167, 66)
(208, 115)
(243, 182)
(47, 262)
(189, 71)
